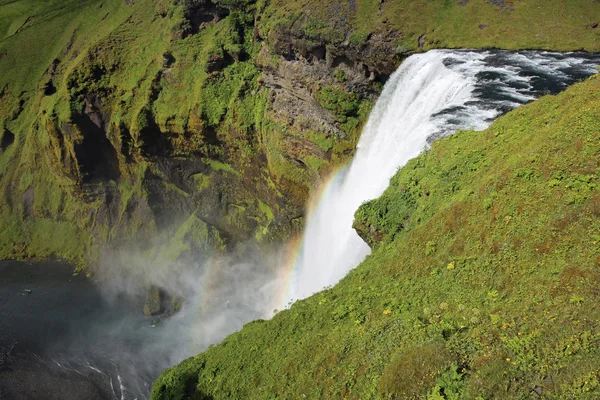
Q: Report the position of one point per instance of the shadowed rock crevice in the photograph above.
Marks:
(209, 134)
(8, 138)
(96, 156)
(166, 200)
(126, 143)
(200, 12)
(155, 142)
(49, 88)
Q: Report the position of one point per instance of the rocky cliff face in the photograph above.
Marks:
(208, 121)
(216, 133)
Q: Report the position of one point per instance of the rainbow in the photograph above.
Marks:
(288, 274)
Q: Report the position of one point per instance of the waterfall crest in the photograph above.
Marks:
(429, 96)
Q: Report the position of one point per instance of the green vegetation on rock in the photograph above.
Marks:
(119, 120)
(421, 24)
(482, 283)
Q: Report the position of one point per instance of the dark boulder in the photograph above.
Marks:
(155, 301)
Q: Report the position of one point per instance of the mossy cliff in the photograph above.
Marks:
(210, 121)
(482, 283)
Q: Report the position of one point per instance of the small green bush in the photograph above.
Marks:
(414, 370)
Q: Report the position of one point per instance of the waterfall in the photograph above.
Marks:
(429, 96)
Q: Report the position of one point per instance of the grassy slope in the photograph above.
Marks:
(541, 24)
(35, 33)
(490, 289)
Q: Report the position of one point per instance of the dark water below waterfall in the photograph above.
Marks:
(51, 342)
(62, 337)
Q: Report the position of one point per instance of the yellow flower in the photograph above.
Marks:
(450, 266)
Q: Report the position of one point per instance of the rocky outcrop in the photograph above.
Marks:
(369, 233)
(7, 139)
(198, 13)
(156, 301)
(293, 101)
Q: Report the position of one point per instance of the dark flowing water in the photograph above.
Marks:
(53, 344)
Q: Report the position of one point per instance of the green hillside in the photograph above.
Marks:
(482, 284)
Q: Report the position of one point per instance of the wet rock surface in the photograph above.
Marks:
(156, 301)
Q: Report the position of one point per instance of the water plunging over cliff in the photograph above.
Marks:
(429, 96)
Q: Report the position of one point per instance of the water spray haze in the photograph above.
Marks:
(218, 294)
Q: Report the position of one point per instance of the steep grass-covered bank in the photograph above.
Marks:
(482, 282)
(209, 121)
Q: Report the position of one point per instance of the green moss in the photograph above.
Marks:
(193, 235)
(49, 235)
(445, 24)
(201, 181)
(416, 368)
(218, 95)
(42, 239)
(220, 166)
(315, 163)
(265, 219)
(321, 30)
(341, 103)
(325, 142)
(267, 211)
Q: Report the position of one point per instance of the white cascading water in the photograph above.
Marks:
(430, 95)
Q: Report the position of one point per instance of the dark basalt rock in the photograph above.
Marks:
(27, 201)
(200, 12)
(501, 4)
(160, 304)
(49, 88)
(369, 234)
(168, 59)
(376, 55)
(96, 156)
(155, 301)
